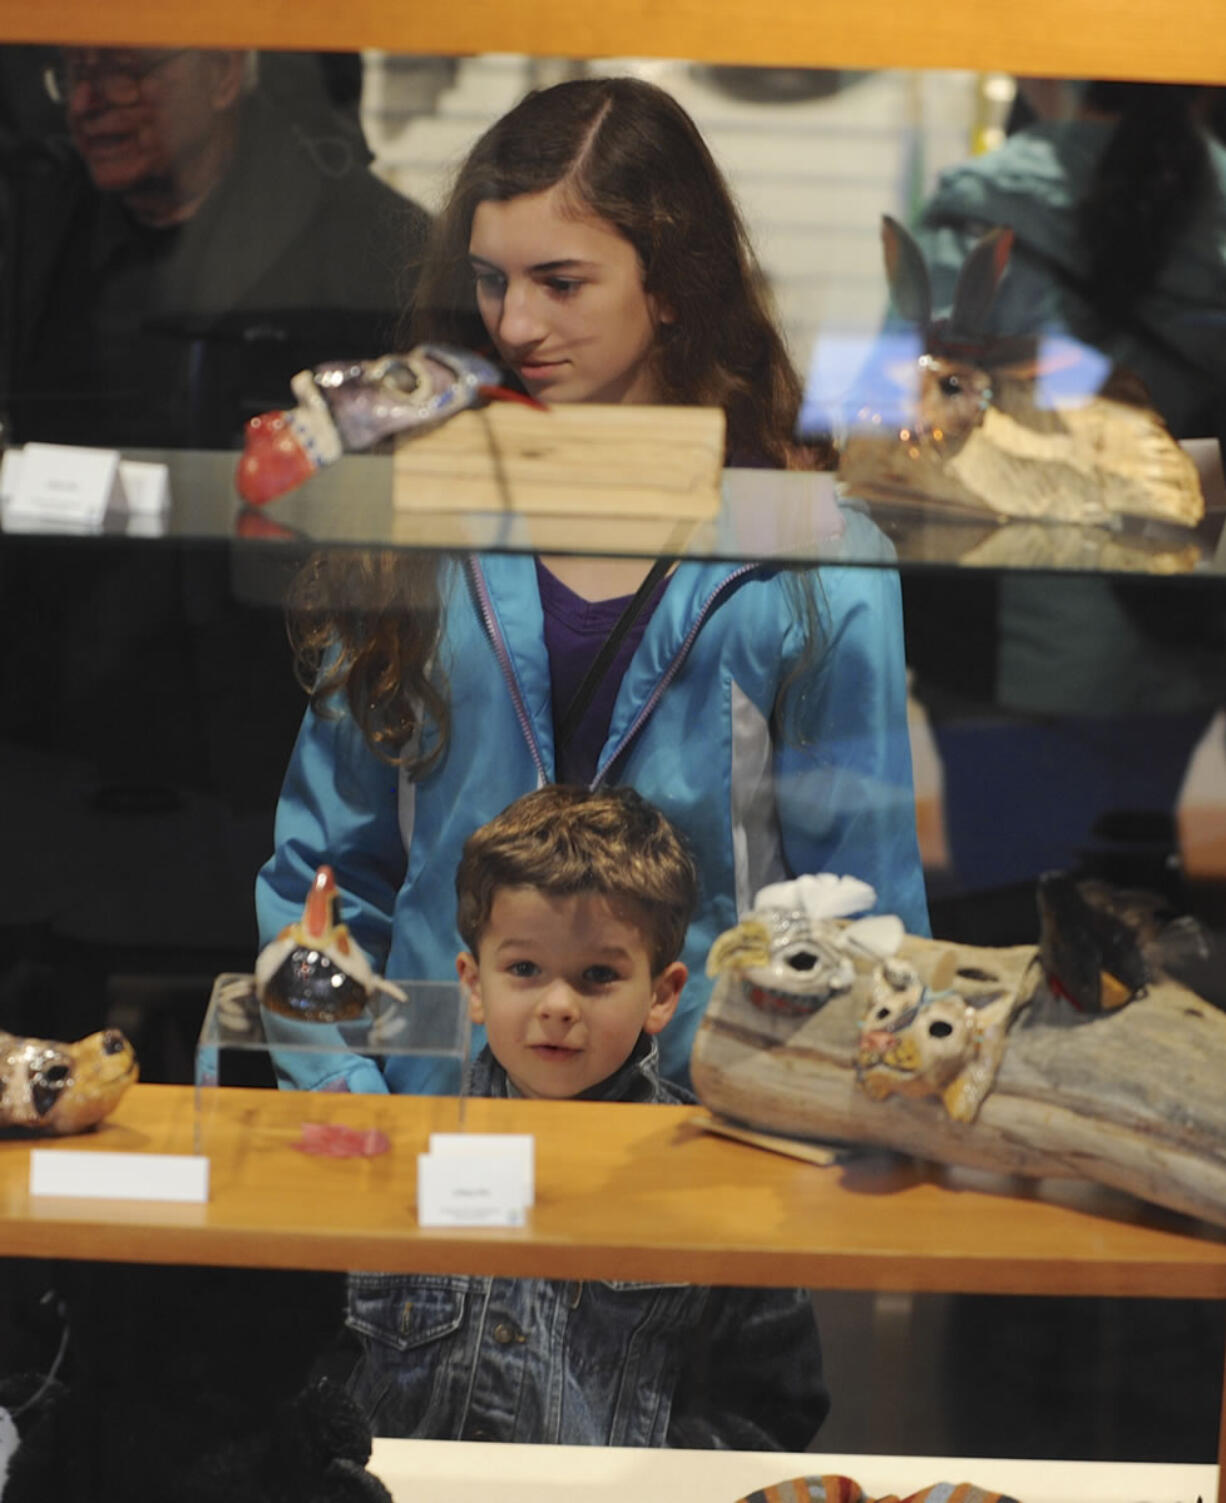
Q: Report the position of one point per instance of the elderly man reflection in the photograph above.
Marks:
(159, 128)
(196, 248)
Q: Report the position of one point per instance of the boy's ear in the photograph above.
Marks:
(470, 978)
(666, 993)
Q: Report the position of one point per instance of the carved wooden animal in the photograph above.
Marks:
(980, 441)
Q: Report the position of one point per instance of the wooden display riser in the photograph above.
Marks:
(623, 1191)
(463, 1472)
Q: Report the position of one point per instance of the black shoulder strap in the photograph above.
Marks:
(582, 697)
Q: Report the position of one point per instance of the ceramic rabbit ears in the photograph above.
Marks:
(964, 331)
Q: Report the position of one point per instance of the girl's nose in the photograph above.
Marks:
(519, 325)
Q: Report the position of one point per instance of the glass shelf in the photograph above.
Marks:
(787, 517)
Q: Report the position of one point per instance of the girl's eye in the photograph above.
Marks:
(562, 286)
(489, 283)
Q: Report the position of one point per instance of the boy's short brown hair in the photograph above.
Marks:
(564, 840)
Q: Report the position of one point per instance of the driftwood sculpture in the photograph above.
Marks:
(1077, 1057)
(980, 442)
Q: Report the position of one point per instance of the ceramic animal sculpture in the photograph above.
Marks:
(793, 952)
(349, 406)
(1100, 947)
(967, 1055)
(932, 1040)
(49, 1087)
(314, 970)
(979, 439)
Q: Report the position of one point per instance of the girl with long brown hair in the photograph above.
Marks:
(591, 238)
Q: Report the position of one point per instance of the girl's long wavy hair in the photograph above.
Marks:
(626, 151)
(366, 626)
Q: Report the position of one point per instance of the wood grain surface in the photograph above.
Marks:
(622, 1191)
(1179, 40)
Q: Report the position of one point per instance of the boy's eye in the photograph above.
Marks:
(523, 968)
(601, 975)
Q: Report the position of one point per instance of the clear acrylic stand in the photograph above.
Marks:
(432, 1024)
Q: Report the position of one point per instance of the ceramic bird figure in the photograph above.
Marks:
(314, 970)
(55, 1088)
(1101, 947)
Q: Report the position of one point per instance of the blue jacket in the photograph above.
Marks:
(691, 731)
(546, 1361)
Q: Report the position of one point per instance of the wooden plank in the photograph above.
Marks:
(622, 1191)
(1182, 40)
(580, 460)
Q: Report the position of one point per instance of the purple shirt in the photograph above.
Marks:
(575, 631)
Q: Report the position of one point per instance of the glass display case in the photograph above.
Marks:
(148, 704)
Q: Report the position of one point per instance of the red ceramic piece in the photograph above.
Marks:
(273, 460)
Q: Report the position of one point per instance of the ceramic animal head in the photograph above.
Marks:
(314, 970)
(796, 950)
(931, 1039)
(50, 1087)
(960, 365)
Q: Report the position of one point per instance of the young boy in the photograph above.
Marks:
(573, 905)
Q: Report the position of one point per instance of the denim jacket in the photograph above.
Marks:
(587, 1363)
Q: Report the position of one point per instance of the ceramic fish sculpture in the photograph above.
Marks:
(932, 1039)
(794, 950)
(1101, 947)
(55, 1088)
(314, 970)
(983, 441)
(349, 406)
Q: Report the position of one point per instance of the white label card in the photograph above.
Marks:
(515, 1150)
(63, 485)
(145, 487)
(479, 1179)
(119, 1176)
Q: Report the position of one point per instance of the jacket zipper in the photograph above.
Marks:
(503, 655)
(705, 611)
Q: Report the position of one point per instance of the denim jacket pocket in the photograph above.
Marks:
(404, 1325)
(404, 1313)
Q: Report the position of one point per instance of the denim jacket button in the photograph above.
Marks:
(505, 1333)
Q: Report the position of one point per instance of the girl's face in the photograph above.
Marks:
(562, 298)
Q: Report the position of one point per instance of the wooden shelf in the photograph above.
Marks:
(622, 1191)
(1182, 40)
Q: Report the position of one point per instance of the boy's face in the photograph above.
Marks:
(564, 987)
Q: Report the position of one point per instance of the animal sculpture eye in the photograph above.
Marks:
(883, 1012)
(938, 1029)
(950, 386)
(973, 973)
(802, 960)
(55, 1074)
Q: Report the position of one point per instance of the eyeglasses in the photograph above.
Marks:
(119, 77)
